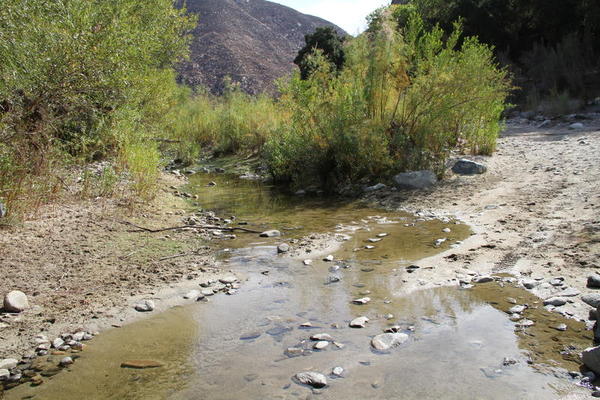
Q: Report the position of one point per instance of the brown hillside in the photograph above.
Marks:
(252, 41)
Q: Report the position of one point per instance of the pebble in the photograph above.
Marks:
(283, 248)
(15, 301)
(322, 337)
(592, 299)
(560, 327)
(271, 233)
(374, 240)
(321, 344)
(483, 279)
(307, 324)
(145, 306)
(337, 371)
(307, 262)
(446, 230)
(192, 294)
(313, 379)
(207, 292)
(141, 364)
(329, 258)
(362, 300)
(58, 343)
(555, 301)
(4, 375)
(66, 361)
(229, 279)
(382, 235)
(359, 322)
(525, 323)
(386, 341)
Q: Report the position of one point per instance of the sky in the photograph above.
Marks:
(347, 14)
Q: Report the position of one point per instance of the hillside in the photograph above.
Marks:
(252, 41)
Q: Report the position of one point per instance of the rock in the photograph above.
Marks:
(517, 309)
(313, 379)
(386, 341)
(592, 299)
(337, 371)
(412, 268)
(58, 343)
(207, 292)
(307, 262)
(382, 235)
(192, 294)
(250, 336)
(15, 301)
(141, 364)
(333, 279)
(374, 188)
(211, 183)
(145, 306)
(576, 125)
(283, 248)
(359, 322)
(591, 358)
(593, 281)
(525, 323)
(569, 292)
(300, 192)
(8, 363)
(3, 210)
(374, 240)
(415, 180)
(271, 233)
(229, 279)
(439, 242)
(530, 283)
(4, 375)
(329, 258)
(321, 344)
(560, 327)
(483, 279)
(321, 337)
(294, 351)
(66, 361)
(468, 167)
(362, 300)
(446, 230)
(555, 301)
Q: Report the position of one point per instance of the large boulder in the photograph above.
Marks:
(591, 358)
(15, 301)
(468, 167)
(415, 180)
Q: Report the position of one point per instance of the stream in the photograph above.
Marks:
(249, 345)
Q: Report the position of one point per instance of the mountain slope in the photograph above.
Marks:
(252, 41)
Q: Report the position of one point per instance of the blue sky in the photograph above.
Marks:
(348, 14)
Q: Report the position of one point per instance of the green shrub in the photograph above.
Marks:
(403, 101)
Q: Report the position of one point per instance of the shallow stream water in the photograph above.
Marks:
(234, 347)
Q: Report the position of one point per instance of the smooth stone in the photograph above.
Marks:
(525, 323)
(592, 299)
(329, 258)
(207, 292)
(591, 358)
(374, 188)
(141, 364)
(468, 167)
(569, 292)
(322, 337)
(382, 235)
(560, 327)
(313, 379)
(8, 363)
(446, 230)
(192, 294)
(4, 375)
(271, 233)
(337, 371)
(555, 301)
(294, 351)
(16, 301)
(517, 309)
(320, 345)
(66, 361)
(58, 343)
(374, 240)
(307, 262)
(229, 279)
(145, 306)
(483, 279)
(283, 248)
(362, 300)
(307, 324)
(250, 336)
(576, 125)
(386, 341)
(593, 281)
(530, 283)
(415, 180)
(359, 322)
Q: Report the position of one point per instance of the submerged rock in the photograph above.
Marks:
(468, 167)
(313, 379)
(15, 301)
(141, 364)
(386, 341)
(415, 180)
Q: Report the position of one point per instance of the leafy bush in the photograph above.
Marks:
(72, 71)
(404, 100)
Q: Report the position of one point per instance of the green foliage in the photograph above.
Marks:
(402, 102)
(329, 42)
(73, 71)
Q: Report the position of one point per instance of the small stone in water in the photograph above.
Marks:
(306, 325)
(369, 247)
(374, 240)
(517, 309)
(329, 258)
(313, 379)
(320, 345)
(141, 364)
(359, 322)
(363, 300)
(560, 327)
(321, 337)
(382, 235)
(307, 262)
(271, 233)
(337, 371)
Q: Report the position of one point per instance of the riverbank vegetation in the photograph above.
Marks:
(91, 81)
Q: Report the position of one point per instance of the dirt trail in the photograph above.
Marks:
(535, 212)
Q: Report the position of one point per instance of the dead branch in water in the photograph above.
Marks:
(172, 228)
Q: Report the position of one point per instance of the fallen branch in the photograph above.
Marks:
(172, 228)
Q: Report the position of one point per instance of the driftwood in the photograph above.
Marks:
(172, 228)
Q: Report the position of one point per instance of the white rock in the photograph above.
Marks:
(321, 337)
(321, 344)
(15, 301)
(66, 361)
(359, 322)
(271, 233)
(362, 300)
(228, 279)
(192, 294)
(8, 363)
(57, 343)
(78, 336)
(329, 258)
(4, 374)
(313, 379)
(145, 306)
(337, 371)
(386, 341)
(307, 262)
